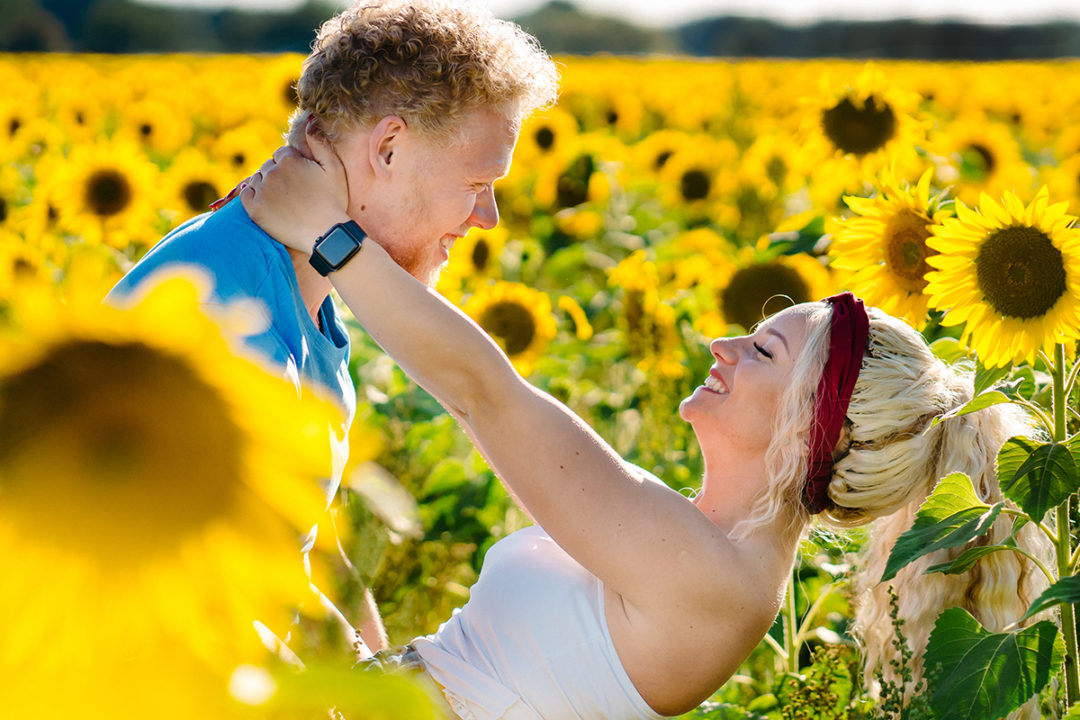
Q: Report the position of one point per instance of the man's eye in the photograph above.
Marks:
(763, 351)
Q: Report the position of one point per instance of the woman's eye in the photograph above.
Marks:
(763, 351)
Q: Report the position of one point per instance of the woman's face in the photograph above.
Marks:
(734, 409)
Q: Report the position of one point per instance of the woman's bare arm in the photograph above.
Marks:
(641, 538)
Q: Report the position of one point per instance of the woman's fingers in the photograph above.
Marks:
(326, 155)
(222, 202)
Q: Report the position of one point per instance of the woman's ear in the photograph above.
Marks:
(385, 141)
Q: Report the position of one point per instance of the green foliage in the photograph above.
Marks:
(978, 674)
(1048, 468)
(951, 516)
(979, 402)
(901, 698)
(827, 689)
(1065, 590)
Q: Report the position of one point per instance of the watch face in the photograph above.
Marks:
(337, 246)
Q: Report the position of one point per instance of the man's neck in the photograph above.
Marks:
(314, 288)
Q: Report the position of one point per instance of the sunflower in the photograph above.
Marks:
(244, 148)
(861, 126)
(475, 257)
(277, 89)
(154, 483)
(155, 126)
(649, 323)
(698, 180)
(653, 152)
(1011, 274)
(22, 264)
(762, 286)
(583, 329)
(517, 317)
(110, 194)
(884, 245)
(545, 133)
(80, 115)
(192, 182)
(1063, 180)
(981, 155)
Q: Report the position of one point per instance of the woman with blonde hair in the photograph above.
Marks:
(627, 599)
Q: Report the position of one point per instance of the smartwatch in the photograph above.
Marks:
(336, 247)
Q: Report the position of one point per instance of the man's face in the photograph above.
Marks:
(426, 192)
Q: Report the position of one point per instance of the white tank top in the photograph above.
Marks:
(556, 661)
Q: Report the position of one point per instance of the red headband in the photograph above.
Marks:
(848, 334)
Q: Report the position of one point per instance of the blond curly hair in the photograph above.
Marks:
(428, 61)
(888, 460)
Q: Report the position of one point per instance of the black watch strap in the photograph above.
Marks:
(336, 247)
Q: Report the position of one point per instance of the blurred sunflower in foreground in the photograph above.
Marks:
(884, 246)
(155, 486)
(1011, 274)
(517, 317)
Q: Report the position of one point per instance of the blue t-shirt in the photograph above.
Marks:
(248, 265)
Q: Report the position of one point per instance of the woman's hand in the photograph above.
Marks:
(294, 199)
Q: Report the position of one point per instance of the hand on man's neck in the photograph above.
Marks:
(314, 288)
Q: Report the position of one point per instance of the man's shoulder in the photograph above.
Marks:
(236, 254)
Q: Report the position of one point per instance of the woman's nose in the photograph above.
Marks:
(724, 349)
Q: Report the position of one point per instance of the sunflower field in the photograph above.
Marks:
(661, 203)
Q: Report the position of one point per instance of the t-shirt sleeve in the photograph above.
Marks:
(240, 270)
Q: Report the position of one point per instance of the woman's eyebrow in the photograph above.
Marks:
(782, 339)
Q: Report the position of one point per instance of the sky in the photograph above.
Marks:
(662, 13)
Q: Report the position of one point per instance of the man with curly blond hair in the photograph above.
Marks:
(422, 100)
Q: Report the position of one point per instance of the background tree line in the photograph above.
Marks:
(123, 26)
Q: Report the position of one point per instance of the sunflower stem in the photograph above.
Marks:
(791, 629)
(1071, 382)
(1064, 549)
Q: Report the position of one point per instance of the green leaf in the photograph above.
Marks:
(967, 559)
(949, 350)
(1049, 469)
(979, 674)
(985, 400)
(1065, 590)
(985, 378)
(949, 517)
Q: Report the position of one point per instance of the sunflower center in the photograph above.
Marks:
(146, 130)
(545, 138)
(198, 194)
(661, 159)
(481, 252)
(3, 210)
(1020, 272)
(978, 162)
(906, 250)
(108, 192)
(859, 130)
(776, 170)
(121, 451)
(289, 93)
(695, 184)
(512, 324)
(573, 184)
(23, 268)
(751, 288)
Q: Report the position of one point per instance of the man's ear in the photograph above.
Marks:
(384, 142)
